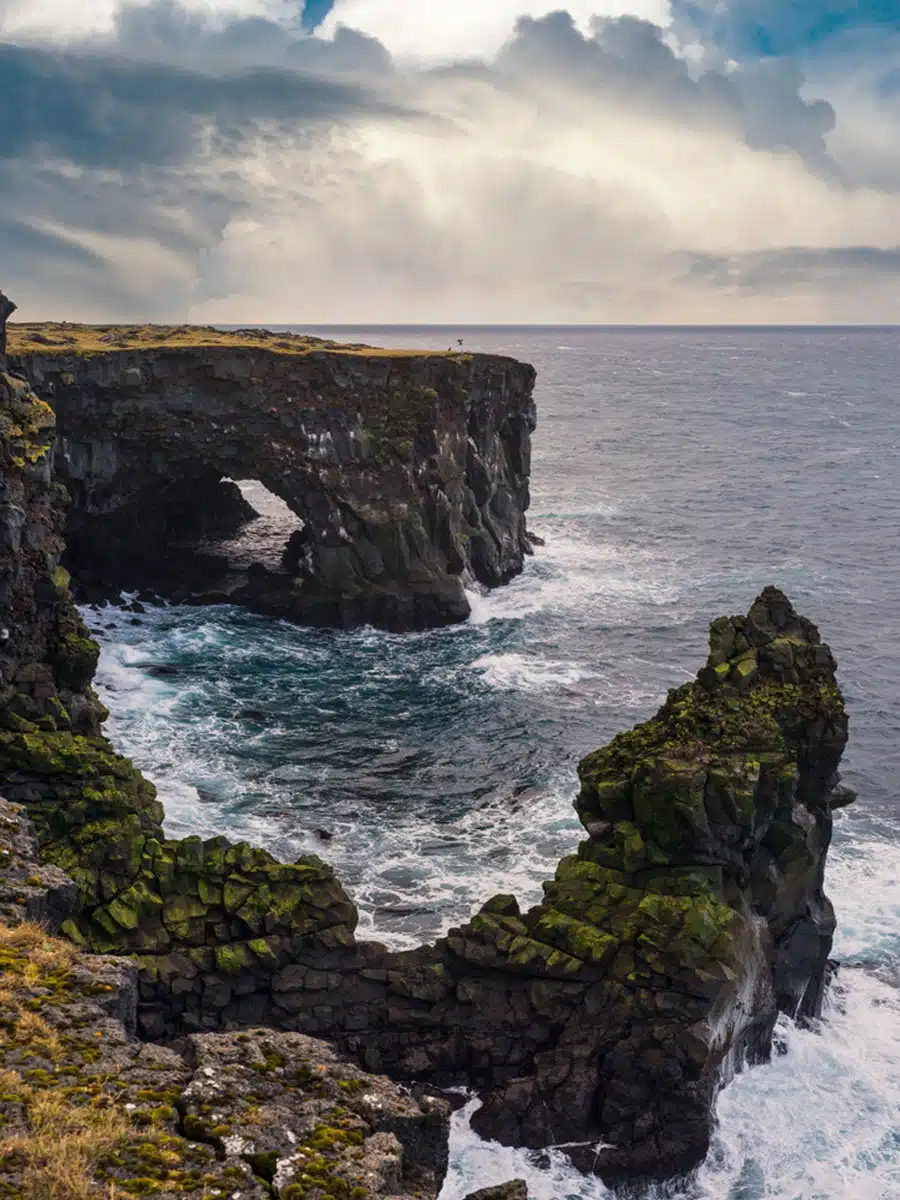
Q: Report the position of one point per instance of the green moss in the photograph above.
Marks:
(74, 657)
(27, 427)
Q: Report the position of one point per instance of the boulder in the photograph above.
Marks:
(516, 1190)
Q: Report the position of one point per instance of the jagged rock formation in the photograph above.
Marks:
(516, 1190)
(660, 956)
(85, 1107)
(408, 472)
(7, 308)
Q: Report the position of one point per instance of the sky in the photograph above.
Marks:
(451, 161)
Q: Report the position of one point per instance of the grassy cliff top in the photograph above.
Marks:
(67, 338)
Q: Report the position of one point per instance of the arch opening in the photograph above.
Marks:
(205, 536)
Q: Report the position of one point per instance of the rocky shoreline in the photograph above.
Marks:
(607, 1015)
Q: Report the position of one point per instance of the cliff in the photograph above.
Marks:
(408, 473)
(692, 913)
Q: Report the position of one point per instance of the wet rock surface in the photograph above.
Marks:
(516, 1190)
(408, 473)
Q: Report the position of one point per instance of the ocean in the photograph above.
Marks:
(676, 472)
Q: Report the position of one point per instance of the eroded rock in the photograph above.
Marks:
(408, 472)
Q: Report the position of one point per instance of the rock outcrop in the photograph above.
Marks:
(7, 308)
(691, 915)
(516, 1190)
(408, 472)
(87, 1109)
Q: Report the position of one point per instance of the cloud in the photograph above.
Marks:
(628, 62)
(773, 272)
(222, 163)
(104, 153)
(428, 30)
(60, 20)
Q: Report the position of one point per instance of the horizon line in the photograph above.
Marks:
(612, 325)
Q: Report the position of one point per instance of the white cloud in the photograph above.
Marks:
(444, 30)
(61, 20)
(528, 213)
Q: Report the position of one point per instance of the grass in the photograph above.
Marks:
(62, 1146)
(80, 1117)
(65, 338)
(55, 1151)
(39, 953)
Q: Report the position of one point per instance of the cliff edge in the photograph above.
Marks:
(408, 472)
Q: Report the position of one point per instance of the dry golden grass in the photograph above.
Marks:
(33, 1031)
(10, 1081)
(51, 338)
(62, 1146)
(35, 947)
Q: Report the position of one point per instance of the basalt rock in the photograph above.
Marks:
(516, 1190)
(691, 915)
(88, 1109)
(408, 472)
(7, 308)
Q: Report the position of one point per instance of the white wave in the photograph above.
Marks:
(820, 1121)
(478, 1164)
(863, 880)
(577, 573)
(529, 673)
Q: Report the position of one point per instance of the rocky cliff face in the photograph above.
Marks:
(408, 473)
(693, 912)
(86, 1109)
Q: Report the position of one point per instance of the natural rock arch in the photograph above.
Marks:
(408, 472)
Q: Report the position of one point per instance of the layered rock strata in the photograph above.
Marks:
(663, 950)
(408, 473)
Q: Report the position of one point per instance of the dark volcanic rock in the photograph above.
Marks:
(409, 473)
(516, 1190)
(7, 308)
(254, 1113)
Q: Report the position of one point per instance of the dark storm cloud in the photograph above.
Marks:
(772, 272)
(144, 134)
(101, 110)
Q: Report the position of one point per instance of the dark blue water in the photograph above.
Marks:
(675, 474)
